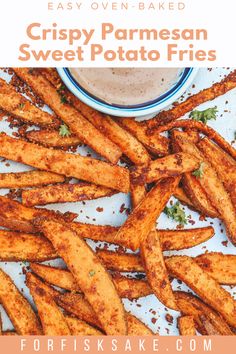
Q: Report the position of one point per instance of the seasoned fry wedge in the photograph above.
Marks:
(136, 327)
(169, 166)
(182, 197)
(223, 163)
(77, 123)
(187, 270)
(16, 216)
(190, 305)
(152, 257)
(141, 221)
(64, 193)
(157, 144)
(221, 267)
(52, 319)
(15, 246)
(18, 106)
(70, 165)
(17, 307)
(212, 186)
(208, 94)
(92, 278)
(81, 328)
(126, 288)
(186, 326)
(209, 328)
(124, 262)
(51, 138)
(29, 179)
(128, 144)
(137, 186)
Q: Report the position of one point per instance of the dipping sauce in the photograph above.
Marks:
(126, 86)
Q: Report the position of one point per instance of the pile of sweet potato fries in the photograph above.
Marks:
(193, 163)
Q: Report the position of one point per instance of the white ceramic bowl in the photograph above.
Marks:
(183, 81)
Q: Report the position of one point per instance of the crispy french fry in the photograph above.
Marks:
(212, 186)
(190, 305)
(78, 306)
(92, 278)
(52, 138)
(52, 319)
(81, 328)
(154, 264)
(137, 186)
(210, 329)
(29, 179)
(169, 166)
(77, 123)
(128, 144)
(136, 327)
(182, 197)
(18, 106)
(124, 262)
(17, 307)
(187, 270)
(87, 168)
(126, 288)
(16, 216)
(223, 163)
(221, 267)
(208, 94)
(141, 221)
(64, 193)
(15, 246)
(186, 326)
(156, 144)
(202, 128)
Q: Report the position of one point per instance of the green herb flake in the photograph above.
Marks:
(200, 171)
(92, 273)
(204, 116)
(21, 106)
(61, 92)
(176, 213)
(64, 130)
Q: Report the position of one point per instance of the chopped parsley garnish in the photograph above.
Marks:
(204, 116)
(176, 213)
(61, 92)
(21, 106)
(200, 171)
(64, 130)
(92, 273)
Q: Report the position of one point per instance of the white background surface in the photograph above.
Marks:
(226, 126)
(216, 16)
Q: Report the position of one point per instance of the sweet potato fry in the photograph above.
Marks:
(78, 306)
(15, 246)
(169, 166)
(136, 327)
(124, 262)
(137, 186)
(77, 123)
(126, 288)
(202, 128)
(92, 278)
(157, 144)
(64, 193)
(221, 267)
(183, 198)
(52, 319)
(187, 270)
(190, 305)
(29, 179)
(87, 168)
(141, 221)
(154, 264)
(18, 106)
(128, 144)
(209, 328)
(51, 138)
(17, 307)
(223, 163)
(81, 328)
(212, 186)
(9, 333)
(186, 326)
(16, 216)
(208, 94)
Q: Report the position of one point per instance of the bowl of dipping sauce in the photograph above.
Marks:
(128, 92)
